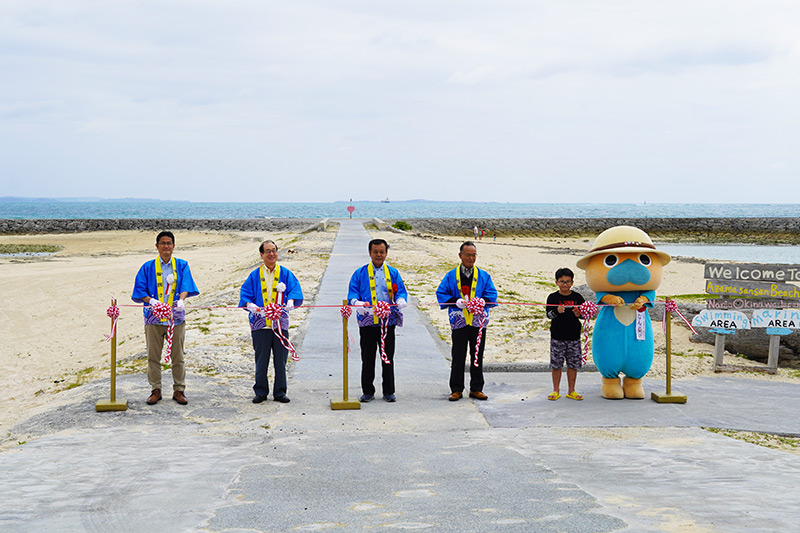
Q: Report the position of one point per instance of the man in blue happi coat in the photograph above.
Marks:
(377, 282)
(270, 283)
(458, 286)
(162, 279)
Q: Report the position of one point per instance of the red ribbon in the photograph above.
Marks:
(383, 311)
(112, 313)
(477, 306)
(588, 311)
(273, 313)
(671, 306)
(162, 311)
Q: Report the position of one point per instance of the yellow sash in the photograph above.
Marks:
(267, 296)
(467, 314)
(386, 273)
(160, 282)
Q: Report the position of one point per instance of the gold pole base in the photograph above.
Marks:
(663, 397)
(108, 405)
(345, 404)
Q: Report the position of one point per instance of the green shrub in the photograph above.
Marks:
(400, 224)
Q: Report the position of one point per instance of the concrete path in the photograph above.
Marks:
(514, 463)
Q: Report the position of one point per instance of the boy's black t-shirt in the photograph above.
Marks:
(564, 326)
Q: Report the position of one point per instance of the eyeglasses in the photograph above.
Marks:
(567, 282)
(166, 244)
(268, 252)
(469, 255)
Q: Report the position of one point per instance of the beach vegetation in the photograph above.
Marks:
(767, 440)
(688, 298)
(80, 378)
(205, 330)
(402, 225)
(29, 248)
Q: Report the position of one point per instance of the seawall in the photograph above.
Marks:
(778, 230)
(34, 226)
(729, 230)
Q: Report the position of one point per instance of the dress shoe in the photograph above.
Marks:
(366, 398)
(390, 398)
(180, 397)
(154, 397)
(478, 395)
(455, 396)
(282, 399)
(258, 399)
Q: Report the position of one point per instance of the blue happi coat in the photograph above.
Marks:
(146, 285)
(359, 289)
(251, 292)
(449, 291)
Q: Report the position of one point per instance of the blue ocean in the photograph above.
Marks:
(16, 208)
(45, 208)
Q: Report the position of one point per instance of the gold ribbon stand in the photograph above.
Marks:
(669, 396)
(113, 404)
(345, 402)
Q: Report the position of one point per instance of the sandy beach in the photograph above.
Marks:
(55, 317)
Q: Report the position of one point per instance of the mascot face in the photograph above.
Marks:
(623, 258)
(617, 272)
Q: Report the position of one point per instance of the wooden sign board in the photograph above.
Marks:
(751, 303)
(752, 272)
(776, 318)
(752, 289)
(728, 320)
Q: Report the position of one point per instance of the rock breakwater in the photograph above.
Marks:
(34, 226)
(708, 230)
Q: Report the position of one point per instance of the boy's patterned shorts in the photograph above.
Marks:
(569, 351)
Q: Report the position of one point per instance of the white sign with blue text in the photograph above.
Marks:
(725, 321)
(777, 321)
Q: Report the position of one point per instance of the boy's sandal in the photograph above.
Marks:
(574, 396)
(553, 396)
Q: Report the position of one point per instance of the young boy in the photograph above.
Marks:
(565, 333)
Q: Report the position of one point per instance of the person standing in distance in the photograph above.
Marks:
(377, 282)
(162, 279)
(270, 283)
(458, 286)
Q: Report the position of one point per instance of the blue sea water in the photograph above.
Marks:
(14, 208)
(27, 209)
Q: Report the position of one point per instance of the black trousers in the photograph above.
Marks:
(464, 339)
(370, 346)
(264, 342)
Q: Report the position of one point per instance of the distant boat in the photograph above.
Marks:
(385, 200)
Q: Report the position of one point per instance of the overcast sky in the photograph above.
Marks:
(521, 101)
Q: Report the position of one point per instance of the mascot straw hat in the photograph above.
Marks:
(622, 240)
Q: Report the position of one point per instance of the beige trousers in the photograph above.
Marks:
(155, 335)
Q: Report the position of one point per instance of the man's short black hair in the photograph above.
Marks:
(378, 242)
(165, 234)
(261, 246)
(467, 243)
(561, 272)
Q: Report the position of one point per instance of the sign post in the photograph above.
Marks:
(345, 402)
(721, 323)
(112, 404)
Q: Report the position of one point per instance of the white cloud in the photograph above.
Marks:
(512, 100)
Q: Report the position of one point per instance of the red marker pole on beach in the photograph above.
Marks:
(113, 404)
(345, 402)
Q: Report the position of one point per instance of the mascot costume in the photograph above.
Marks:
(624, 269)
